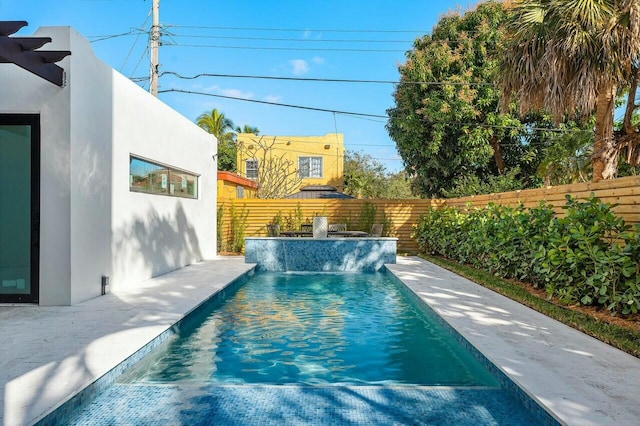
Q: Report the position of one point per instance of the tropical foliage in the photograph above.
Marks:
(445, 121)
(365, 177)
(505, 91)
(589, 256)
(221, 127)
(248, 129)
(568, 159)
(472, 185)
(572, 58)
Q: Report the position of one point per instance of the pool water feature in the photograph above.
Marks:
(283, 348)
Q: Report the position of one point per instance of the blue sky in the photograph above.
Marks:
(348, 39)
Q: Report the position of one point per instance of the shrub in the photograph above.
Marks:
(237, 227)
(589, 256)
(219, 237)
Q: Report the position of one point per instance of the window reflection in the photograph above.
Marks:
(153, 178)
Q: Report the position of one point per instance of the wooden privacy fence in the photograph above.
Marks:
(624, 191)
(400, 216)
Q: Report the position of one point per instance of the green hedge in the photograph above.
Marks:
(588, 257)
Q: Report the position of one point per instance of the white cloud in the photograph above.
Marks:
(317, 60)
(300, 66)
(236, 93)
(273, 98)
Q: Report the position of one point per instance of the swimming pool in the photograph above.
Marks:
(311, 329)
(250, 372)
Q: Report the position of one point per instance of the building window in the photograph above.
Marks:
(251, 169)
(155, 178)
(239, 192)
(310, 167)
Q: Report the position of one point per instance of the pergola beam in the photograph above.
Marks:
(21, 51)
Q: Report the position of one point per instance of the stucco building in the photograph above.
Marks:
(233, 186)
(319, 160)
(101, 182)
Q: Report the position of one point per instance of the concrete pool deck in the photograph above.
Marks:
(579, 379)
(50, 353)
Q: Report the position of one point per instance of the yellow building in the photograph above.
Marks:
(232, 186)
(318, 160)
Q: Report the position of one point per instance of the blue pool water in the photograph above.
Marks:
(309, 348)
(315, 328)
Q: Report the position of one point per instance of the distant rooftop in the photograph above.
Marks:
(318, 191)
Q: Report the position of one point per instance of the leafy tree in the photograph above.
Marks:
(398, 186)
(277, 176)
(568, 159)
(574, 57)
(365, 177)
(445, 121)
(472, 184)
(221, 127)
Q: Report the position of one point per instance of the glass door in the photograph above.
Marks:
(19, 207)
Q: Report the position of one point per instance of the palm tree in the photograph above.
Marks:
(567, 159)
(574, 57)
(248, 129)
(221, 127)
(217, 124)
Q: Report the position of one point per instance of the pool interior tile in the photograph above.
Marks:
(244, 402)
(106, 401)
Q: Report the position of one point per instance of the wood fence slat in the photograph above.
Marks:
(404, 214)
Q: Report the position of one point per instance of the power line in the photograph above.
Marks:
(357, 114)
(135, 42)
(280, 139)
(273, 103)
(303, 49)
(109, 37)
(144, 52)
(295, 40)
(329, 80)
(499, 126)
(297, 30)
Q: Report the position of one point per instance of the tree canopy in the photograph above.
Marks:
(572, 58)
(501, 96)
(446, 122)
(248, 129)
(221, 127)
(365, 177)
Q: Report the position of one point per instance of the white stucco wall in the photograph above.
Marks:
(155, 234)
(25, 93)
(91, 165)
(90, 223)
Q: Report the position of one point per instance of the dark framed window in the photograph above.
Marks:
(156, 178)
(20, 208)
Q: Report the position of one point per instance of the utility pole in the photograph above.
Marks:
(153, 47)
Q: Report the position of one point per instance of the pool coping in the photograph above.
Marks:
(590, 383)
(576, 378)
(65, 412)
(69, 349)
